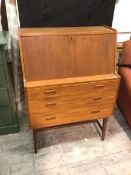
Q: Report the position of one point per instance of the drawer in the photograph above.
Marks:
(6, 117)
(44, 120)
(2, 77)
(1, 59)
(72, 89)
(50, 106)
(74, 103)
(4, 97)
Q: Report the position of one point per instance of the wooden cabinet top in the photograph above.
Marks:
(66, 31)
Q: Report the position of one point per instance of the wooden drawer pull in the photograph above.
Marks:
(51, 91)
(95, 111)
(99, 86)
(97, 98)
(50, 104)
(50, 118)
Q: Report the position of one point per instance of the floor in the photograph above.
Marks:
(75, 150)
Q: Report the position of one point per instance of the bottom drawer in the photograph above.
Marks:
(43, 121)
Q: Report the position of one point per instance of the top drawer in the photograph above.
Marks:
(72, 89)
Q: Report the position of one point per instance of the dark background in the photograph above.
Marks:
(54, 13)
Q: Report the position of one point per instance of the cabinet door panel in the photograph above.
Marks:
(4, 97)
(5, 116)
(55, 57)
(2, 77)
(1, 59)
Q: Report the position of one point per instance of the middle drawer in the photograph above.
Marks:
(77, 99)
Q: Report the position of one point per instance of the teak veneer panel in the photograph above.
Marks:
(69, 75)
(64, 56)
(64, 81)
(39, 121)
(74, 104)
(71, 99)
(71, 89)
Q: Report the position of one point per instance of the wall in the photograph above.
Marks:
(122, 19)
(0, 19)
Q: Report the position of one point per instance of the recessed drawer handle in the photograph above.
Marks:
(99, 86)
(97, 98)
(50, 118)
(50, 104)
(51, 91)
(95, 111)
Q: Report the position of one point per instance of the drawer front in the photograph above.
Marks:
(48, 120)
(68, 104)
(77, 103)
(71, 90)
(2, 77)
(1, 59)
(4, 97)
(82, 96)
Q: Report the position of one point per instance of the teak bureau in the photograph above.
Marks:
(69, 75)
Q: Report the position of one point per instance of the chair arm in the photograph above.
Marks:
(124, 65)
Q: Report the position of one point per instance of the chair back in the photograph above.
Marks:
(126, 52)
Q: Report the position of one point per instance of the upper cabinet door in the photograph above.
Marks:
(53, 53)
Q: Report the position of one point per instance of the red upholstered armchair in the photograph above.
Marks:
(124, 70)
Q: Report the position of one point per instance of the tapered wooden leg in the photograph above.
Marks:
(104, 128)
(35, 140)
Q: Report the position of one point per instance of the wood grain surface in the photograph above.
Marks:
(69, 74)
